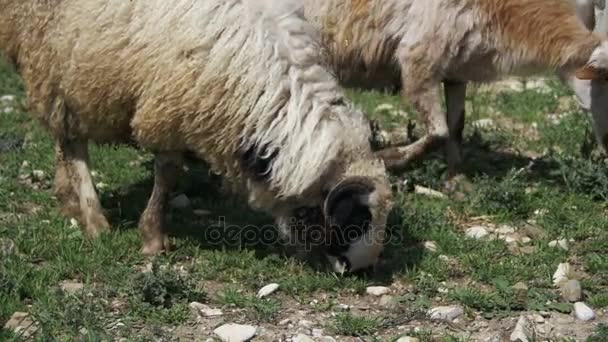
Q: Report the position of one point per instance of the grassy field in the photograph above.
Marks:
(536, 175)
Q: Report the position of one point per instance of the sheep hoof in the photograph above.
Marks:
(96, 225)
(156, 246)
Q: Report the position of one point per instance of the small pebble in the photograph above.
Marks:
(268, 290)
(408, 339)
(448, 313)
(388, 301)
(38, 175)
(377, 290)
(302, 338)
(505, 230)
(562, 273)
(477, 232)
(71, 287)
(430, 246)
(235, 332)
(583, 312)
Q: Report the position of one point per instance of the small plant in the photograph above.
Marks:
(601, 334)
(163, 288)
(350, 325)
(258, 309)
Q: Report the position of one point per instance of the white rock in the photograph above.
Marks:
(553, 244)
(420, 190)
(71, 287)
(180, 202)
(430, 246)
(302, 338)
(448, 313)
(408, 339)
(285, 321)
(388, 301)
(73, 223)
(520, 333)
(477, 232)
(526, 240)
(305, 323)
(204, 310)
(317, 333)
(562, 274)
(385, 107)
(38, 175)
(483, 123)
(268, 290)
(505, 230)
(563, 244)
(235, 332)
(327, 339)
(377, 290)
(444, 257)
(583, 312)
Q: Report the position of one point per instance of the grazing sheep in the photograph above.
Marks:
(241, 84)
(455, 42)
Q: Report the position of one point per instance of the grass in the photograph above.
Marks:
(568, 183)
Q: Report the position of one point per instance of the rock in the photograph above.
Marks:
(420, 190)
(505, 230)
(302, 338)
(73, 223)
(384, 107)
(38, 175)
(204, 310)
(583, 312)
(268, 290)
(317, 333)
(483, 123)
(562, 274)
(377, 290)
(525, 240)
(22, 325)
(305, 324)
(71, 287)
(343, 307)
(477, 232)
(448, 313)
(521, 331)
(408, 339)
(520, 287)
(572, 291)
(561, 243)
(444, 258)
(285, 321)
(430, 246)
(388, 301)
(235, 332)
(180, 202)
(327, 339)
(7, 247)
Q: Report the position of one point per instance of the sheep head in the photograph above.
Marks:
(356, 211)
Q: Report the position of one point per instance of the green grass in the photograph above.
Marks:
(568, 183)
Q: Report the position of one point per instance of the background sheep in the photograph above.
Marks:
(240, 84)
(427, 42)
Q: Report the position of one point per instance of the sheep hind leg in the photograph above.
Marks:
(428, 104)
(74, 187)
(152, 222)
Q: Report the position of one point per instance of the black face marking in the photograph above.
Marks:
(258, 163)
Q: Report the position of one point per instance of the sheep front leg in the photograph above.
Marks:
(74, 187)
(426, 98)
(455, 94)
(152, 222)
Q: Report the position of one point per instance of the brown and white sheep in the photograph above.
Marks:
(425, 43)
(239, 83)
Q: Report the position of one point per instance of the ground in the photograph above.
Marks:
(537, 179)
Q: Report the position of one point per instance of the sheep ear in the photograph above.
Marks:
(588, 73)
(347, 201)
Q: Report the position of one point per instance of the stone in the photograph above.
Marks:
(448, 313)
(302, 338)
(521, 331)
(525, 240)
(408, 339)
(235, 332)
(520, 287)
(583, 312)
(327, 339)
(204, 310)
(477, 232)
(483, 123)
(420, 190)
(305, 324)
(388, 301)
(21, 324)
(317, 333)
(377, 290)
(38, 175)
(71, 287)
(180, 202)
(505, 230)
(268, 290)
(562, 274)
(572, 291)
(430, 246)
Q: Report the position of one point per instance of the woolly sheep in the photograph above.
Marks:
(239, 83)
(424, 43)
